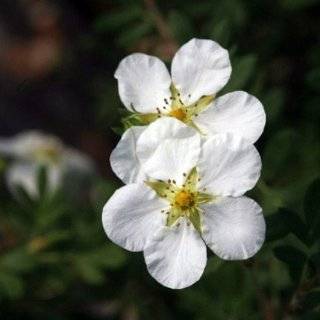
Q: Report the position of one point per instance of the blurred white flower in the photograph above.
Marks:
(199, 70)
(32, 149)
(185, 193)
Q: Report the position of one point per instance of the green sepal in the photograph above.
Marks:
(174, 214)
(195, 218)
(163, 189)
(199, 106)
(204, 197)
(192, 180)
(138, 119)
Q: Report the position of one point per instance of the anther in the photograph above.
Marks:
(188, 224)
(178, 224)
(189, 95)
(167, 212)
(162, 211)
(169, 181)
(184, 174)
(165, 100)
(180, 101)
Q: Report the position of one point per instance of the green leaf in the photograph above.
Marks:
(89, 271)
(283, 222)
(277, 226)
(243, 69)
(180, 25)
(298, 4)
(273, 103)
(278, 153)
(112, 257)
(23, 196)
(11, 286)
(213, 264)
(294, 258)
(312, 300)
(115, 20)
(42, 180)
(221, 31)
(312, 204)
(17, 261)
(131, 35)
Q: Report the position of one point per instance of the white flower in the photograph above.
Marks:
(187, 193)
(29, 150)
(199, 70)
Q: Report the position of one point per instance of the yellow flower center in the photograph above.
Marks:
(178, 113)
(184, 199)
(175, 108)
(47, 154)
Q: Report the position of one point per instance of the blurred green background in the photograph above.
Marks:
(57, 60)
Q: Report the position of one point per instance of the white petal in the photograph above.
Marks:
(176, 256)
(228, 166)
(132, 215)
(76, 161)
(123, 159)
(168, 148)
(143, 81)
(233, 228)
(25, 144)
(200, 67)
(25, 174)
(237, 112)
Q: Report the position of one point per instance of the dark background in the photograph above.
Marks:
(57, 60)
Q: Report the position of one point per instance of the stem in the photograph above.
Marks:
(265, 304)
(302, 288)
(162, 26)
